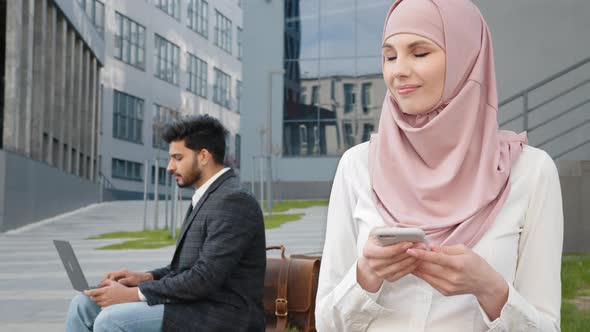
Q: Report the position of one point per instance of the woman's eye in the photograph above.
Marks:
(421, 55)
(390, 58)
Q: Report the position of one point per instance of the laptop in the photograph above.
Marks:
(70, 262)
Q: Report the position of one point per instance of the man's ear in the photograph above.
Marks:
(204, 157)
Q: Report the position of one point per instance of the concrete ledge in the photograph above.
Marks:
(575, 188)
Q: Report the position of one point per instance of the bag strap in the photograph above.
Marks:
(281, 304)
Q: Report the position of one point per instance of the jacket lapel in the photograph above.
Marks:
(190, 218)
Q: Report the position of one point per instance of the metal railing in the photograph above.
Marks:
(527, 109)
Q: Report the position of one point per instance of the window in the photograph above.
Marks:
(170, 7)
(161, 175)
(98, 19)
(127, 117)
(240, 45)
(167, 60)
(222, 88)
(198, 17)
(315, 95)
(348, 135)
(367, 131)
(303, 95)
(222, 32)
(303, 139)
(127, 170)
(197, 76)
(366, 97)
(129, 41)
(94, 9)
(238, 95)
(162, 116)
(332, 90)
(349, 95)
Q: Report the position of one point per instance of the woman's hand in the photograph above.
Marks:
(384, 263)
(454, 270)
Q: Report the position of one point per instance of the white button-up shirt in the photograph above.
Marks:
(524, 245)
(202, 189)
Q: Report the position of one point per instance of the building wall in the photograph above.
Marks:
(53, 54)
(51, 83)
(143, 84)
(32, 190)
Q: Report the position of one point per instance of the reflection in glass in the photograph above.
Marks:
(333, 84)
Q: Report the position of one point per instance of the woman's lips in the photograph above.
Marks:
(406, 90)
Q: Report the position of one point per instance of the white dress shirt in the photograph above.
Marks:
(524, 245)
(202, 189)
(196, 197)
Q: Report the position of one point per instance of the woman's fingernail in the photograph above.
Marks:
(411, 252)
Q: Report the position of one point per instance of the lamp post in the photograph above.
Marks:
(269, 143)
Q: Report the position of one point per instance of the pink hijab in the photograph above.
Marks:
(446, 171)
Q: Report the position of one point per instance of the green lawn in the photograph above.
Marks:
(283, 206)
(575, 281)
(161, 238)
(138, 240)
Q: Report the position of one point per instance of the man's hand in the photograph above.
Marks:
(112, 293)
(126, 278)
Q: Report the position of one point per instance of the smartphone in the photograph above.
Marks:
(391, 235)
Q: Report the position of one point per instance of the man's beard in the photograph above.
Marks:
(190, 179)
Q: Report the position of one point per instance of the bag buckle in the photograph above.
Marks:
(282, 303)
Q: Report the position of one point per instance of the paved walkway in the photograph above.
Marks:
(35, 290)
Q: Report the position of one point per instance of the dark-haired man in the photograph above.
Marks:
(216, 277)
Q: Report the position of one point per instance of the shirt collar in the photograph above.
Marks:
(202, 189)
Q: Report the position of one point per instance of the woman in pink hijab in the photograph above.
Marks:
(490, 204)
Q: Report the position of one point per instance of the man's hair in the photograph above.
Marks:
(198, 132)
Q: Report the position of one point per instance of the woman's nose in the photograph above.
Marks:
(402, 67)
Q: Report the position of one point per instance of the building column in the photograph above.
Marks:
(93, 123)
(50, 87)
(87, 120)
(79, 76)
(38, 79)
(12, 91)
(61, 45)
(26, 115)
(70, 86)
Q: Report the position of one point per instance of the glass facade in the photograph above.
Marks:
(127, 170)
(198, 17)
(167, 60)
(162, 116)
(95, 11)
(223, 32)
(333, 74)
(222, 89)
(128, 117)
(129, 41)
(197, 76)
(170, 7)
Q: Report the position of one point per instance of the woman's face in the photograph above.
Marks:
(414, 71)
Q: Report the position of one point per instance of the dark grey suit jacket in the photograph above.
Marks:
(215, 281)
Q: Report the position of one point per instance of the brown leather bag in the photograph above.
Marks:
(290, 286)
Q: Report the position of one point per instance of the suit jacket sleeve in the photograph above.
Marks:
(161, 272)
(231, 225)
